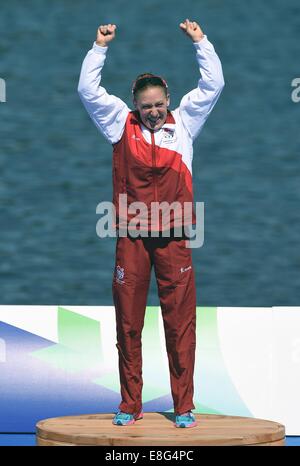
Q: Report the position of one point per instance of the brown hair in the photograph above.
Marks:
(145, 80)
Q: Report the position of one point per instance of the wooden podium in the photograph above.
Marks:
(158, 429)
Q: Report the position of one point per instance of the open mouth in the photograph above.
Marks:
(153, 121)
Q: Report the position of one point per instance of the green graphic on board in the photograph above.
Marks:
(155, 374)
(79, 350)
(214, 389)
(79, 347)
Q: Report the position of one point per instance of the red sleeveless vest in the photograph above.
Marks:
(153, 178)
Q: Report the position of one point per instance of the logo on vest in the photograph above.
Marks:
(169, 135)
(185, 269)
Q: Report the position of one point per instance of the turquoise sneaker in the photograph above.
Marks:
(126, 419)
(185, 420)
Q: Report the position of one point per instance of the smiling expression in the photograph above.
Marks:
(152, 105)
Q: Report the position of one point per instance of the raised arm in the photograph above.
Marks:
(195, 106)
(108, 112)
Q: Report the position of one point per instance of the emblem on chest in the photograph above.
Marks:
(169, 135)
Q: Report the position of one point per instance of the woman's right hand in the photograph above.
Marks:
(105, 34)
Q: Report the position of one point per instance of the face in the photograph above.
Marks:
(152, 105)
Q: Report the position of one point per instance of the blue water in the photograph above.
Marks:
(55, 167)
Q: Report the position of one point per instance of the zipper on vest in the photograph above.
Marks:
(154, 167)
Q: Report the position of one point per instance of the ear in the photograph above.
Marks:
(168, 100)
(134, 103)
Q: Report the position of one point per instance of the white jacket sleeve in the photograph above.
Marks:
(108, 112)
(195, 106)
